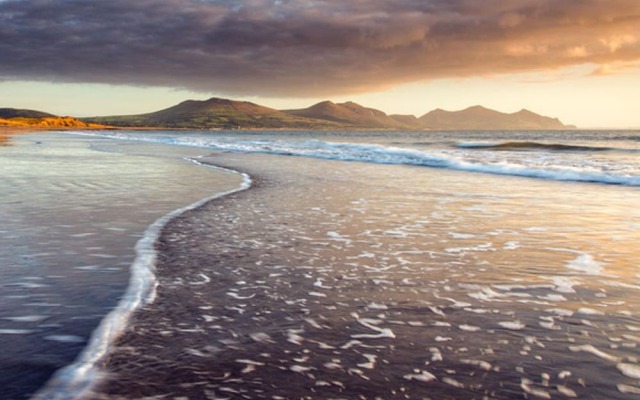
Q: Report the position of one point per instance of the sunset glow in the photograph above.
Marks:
(579, 60)
(319, 199)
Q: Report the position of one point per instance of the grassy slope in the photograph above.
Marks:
(350, 114)
(216, 114)
(48, 122)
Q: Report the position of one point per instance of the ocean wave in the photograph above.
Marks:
(527, 146)
(582, 170)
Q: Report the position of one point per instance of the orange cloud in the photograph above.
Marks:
(300, 48)
(615, 68)
(527, 49)
(615, 42)
(511, 20)
(577, 52)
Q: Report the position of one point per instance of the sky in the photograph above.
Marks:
(577, 60)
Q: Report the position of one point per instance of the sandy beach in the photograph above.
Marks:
(318, 284)
(429, 200)
(400, 273)
(72, 209)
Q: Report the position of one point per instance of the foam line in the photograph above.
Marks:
(379, 154)
(75, 379)
(514, 146)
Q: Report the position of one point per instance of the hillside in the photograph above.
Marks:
(410, 121)
(8, 113)
(480, 118)
(350, 114)
(51, 122)
(216, 113)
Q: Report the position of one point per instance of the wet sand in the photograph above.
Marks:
(71, 211)
(307, 286)
(266, 323)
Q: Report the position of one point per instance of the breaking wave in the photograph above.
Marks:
(525, 146)
(557, 168)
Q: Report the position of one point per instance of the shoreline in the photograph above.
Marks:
(292, 290)
(318, 283)
(74, 380)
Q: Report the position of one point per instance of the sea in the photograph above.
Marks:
(317, 265)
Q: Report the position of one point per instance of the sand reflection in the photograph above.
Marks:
(5, 139)
(7, 135)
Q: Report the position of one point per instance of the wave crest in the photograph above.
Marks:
(559, 168)
(525, 146)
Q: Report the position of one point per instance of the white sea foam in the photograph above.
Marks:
(372, 324)
(27, 318)
(586, 264)
(421, 376)
(65, 338)
(564, 285)
(371, 361)
(525, 165)
(629, 370)
(478, 363)
(526, 386)
(436, 354)
(15, 331)
(512, 325)
(469, 328)
(628, 389)
(73, 380)
(561, 312)
(377, 306)
(452, 382)
(596, 352)
(589, 311)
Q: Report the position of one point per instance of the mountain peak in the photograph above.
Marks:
(220, 100)
(477, 108)
(350, 114)
(524, 111)
(482, 118)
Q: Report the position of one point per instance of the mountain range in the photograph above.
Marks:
(217, 113)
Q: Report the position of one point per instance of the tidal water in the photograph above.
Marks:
(444, 265)
(71, 211)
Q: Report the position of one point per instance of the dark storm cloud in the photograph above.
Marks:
(308, 48)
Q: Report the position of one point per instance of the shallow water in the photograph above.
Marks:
(72, 209)
(610, 157)
(352, 280)
(459, 275)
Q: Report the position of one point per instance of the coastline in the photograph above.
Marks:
(74, 380)
(73, 209)
(289, 290)
(300, 237)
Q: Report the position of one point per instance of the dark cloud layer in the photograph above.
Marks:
(307, 48)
